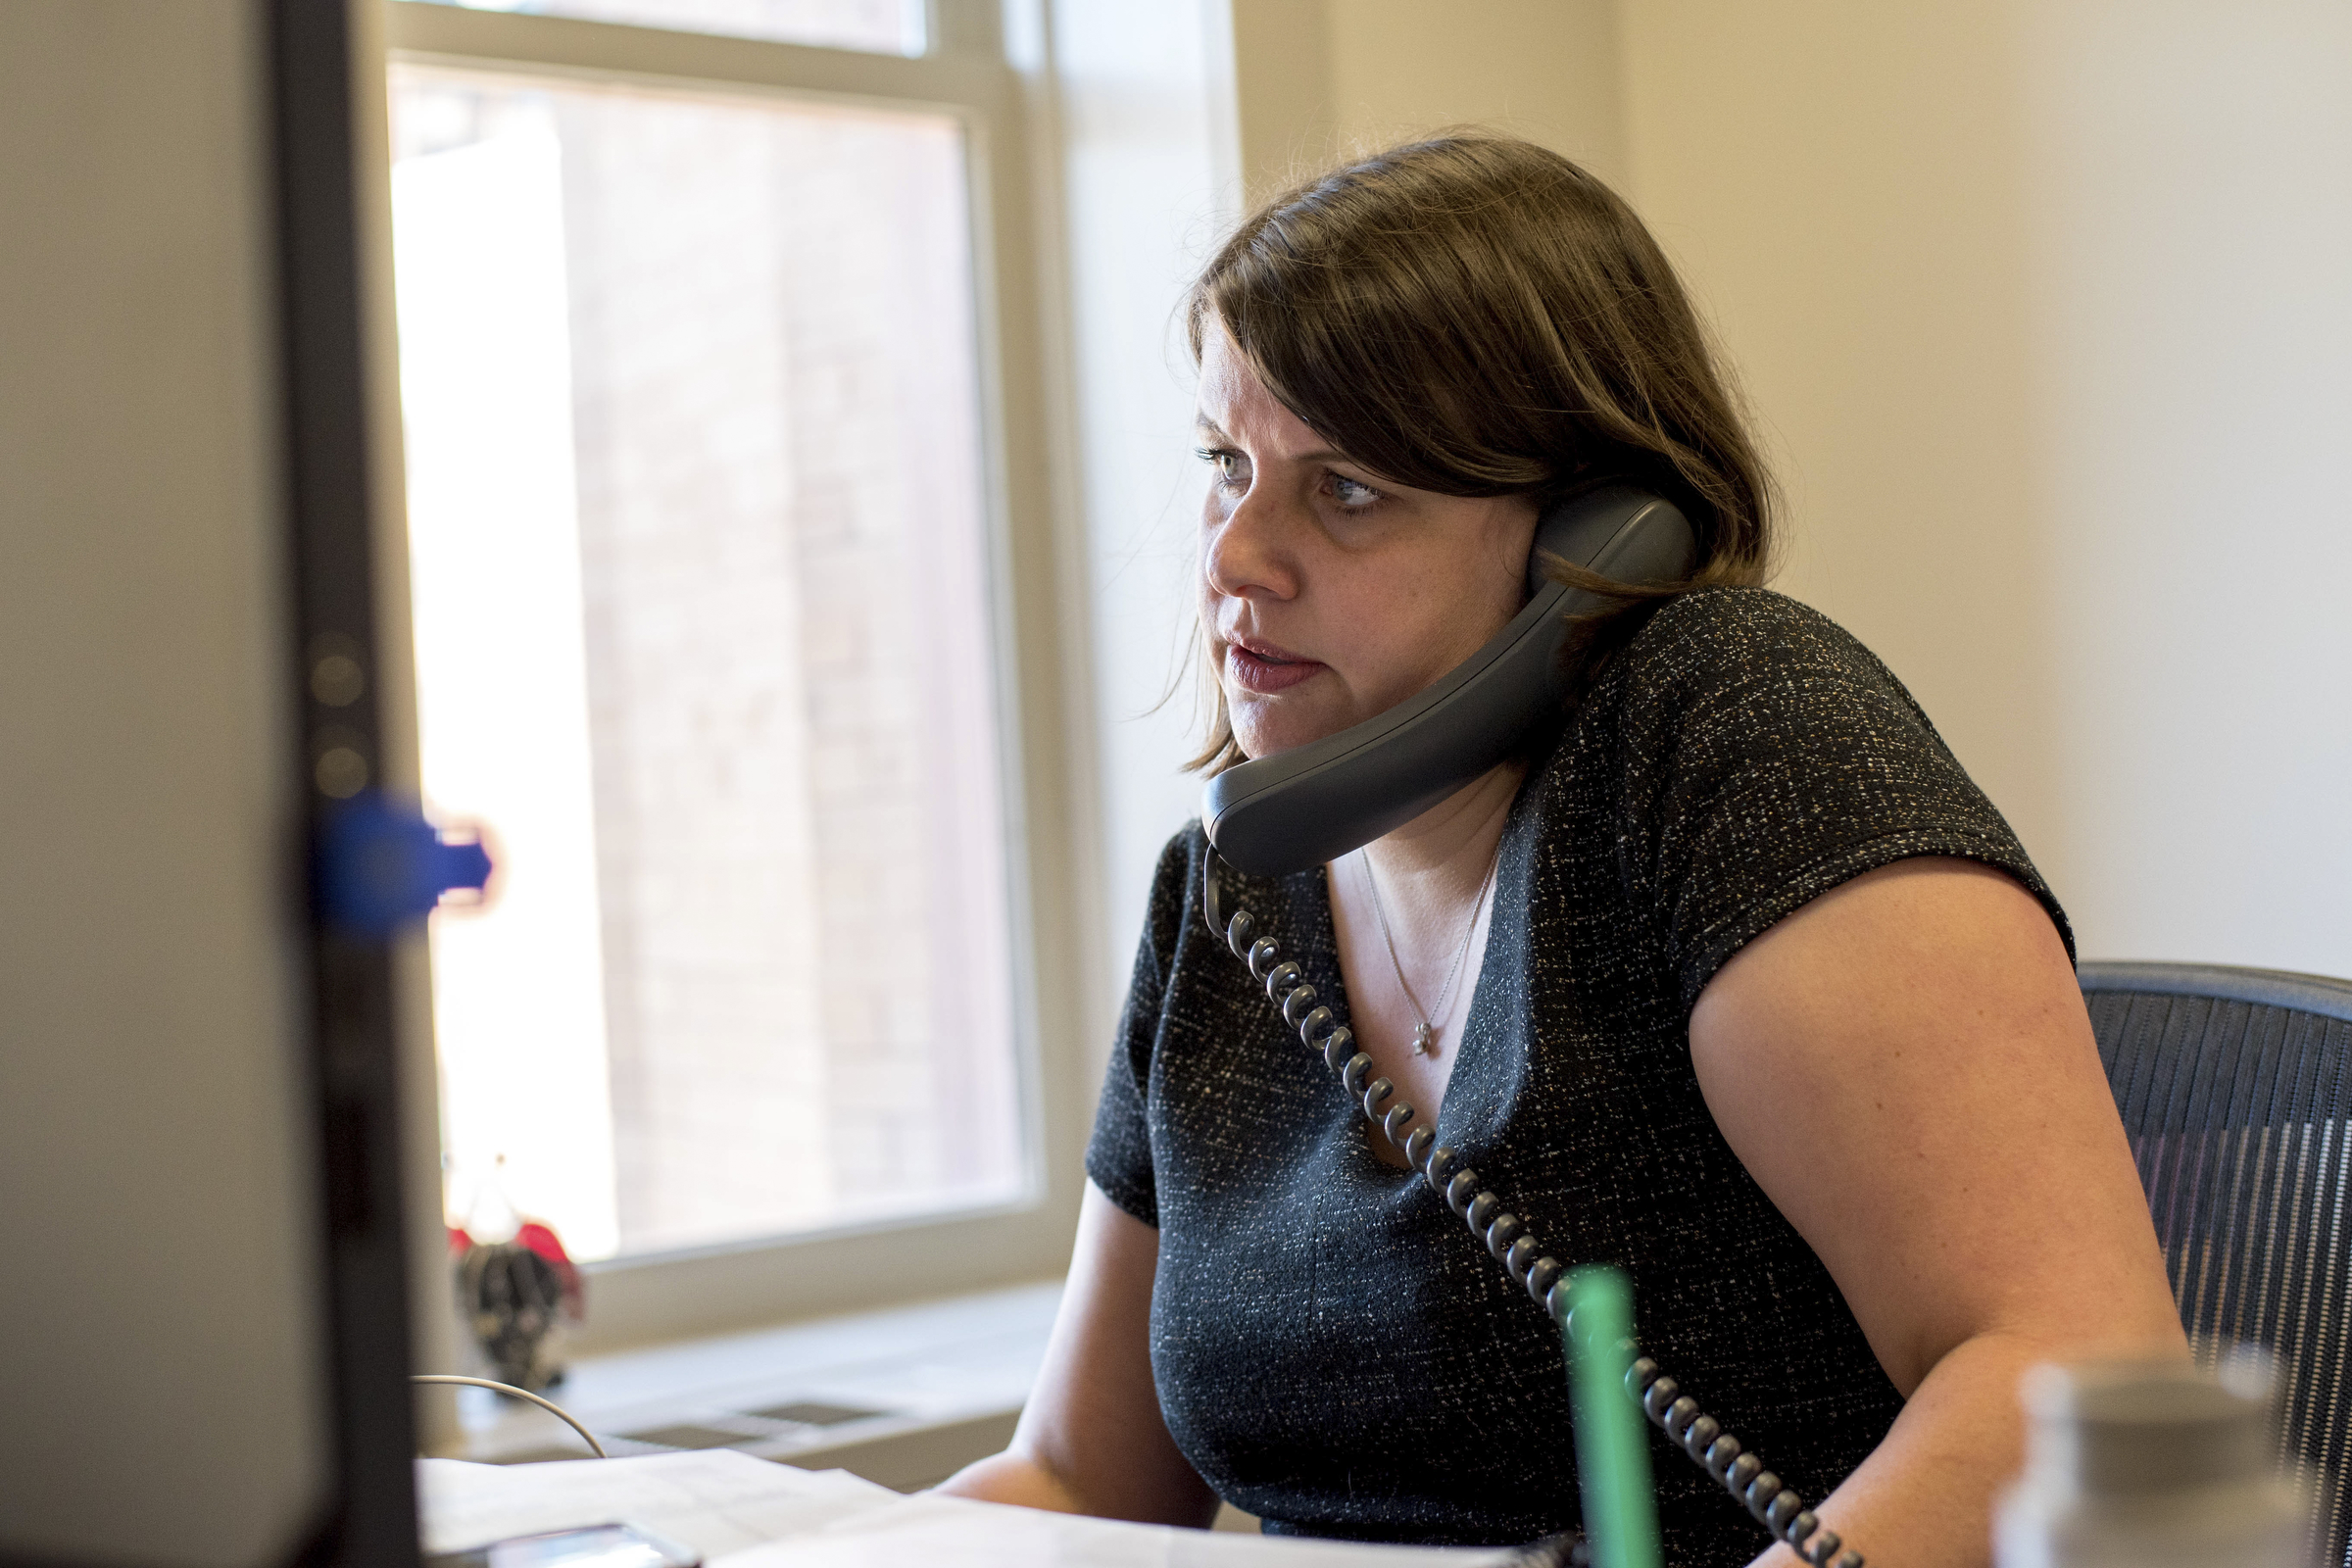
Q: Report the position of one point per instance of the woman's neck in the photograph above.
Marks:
(1441, 857)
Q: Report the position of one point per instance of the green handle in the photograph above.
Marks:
(1613, 1451)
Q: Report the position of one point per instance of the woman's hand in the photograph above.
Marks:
(1906, 1068)
(1090, 1439)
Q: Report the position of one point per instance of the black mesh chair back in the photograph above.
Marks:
(2235, 1086)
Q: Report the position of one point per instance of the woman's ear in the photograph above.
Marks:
(1516, 537)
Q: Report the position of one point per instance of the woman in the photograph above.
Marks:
(1734, 981)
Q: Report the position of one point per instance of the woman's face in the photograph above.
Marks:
(1329, 594)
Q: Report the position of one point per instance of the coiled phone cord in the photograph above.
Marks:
(1780, 1509)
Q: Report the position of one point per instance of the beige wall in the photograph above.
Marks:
(1317, 79)
(2192, 215)
(2041, 307)
(2044, 305)
(1842, 186)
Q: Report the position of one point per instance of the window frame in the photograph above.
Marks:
(1039, 657)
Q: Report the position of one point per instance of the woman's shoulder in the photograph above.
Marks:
(1178, 872)
(1764, 653)
(1725, 610)
(1711, 630)
(1181, 854)
(1744, 753)
(1178, 887)
(1174, 882)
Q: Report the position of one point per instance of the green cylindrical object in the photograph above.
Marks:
(1612, 1450)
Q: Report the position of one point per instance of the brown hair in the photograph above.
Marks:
(1476, 316)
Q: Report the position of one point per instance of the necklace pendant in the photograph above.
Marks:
(1421, 1039)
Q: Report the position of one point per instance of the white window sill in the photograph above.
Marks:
(937, 1385)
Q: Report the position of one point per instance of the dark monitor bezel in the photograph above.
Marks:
(324, 341)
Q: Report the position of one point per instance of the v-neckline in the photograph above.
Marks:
(1474, 1032)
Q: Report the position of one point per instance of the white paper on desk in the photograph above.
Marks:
(925, 1532)
(715, 1501)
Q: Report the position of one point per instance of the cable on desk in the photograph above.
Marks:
(549, 1405)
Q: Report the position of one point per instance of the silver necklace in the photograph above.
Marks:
(1425, 1032)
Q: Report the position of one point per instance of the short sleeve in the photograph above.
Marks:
(1768, 757)
(1118, 1157)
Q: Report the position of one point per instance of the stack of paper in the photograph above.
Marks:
(716, 1502)
(742, 1512)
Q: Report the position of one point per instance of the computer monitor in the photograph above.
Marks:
(204, 1333)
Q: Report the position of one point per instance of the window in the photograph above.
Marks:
(884, 27)
(711, 587)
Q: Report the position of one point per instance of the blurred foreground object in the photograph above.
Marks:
(1613, 1451)
(2149, 1465)
(381, 864)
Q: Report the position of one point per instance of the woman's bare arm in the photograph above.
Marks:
(1090, 1439)
(1906, 1067)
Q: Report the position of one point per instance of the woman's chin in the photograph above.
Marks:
(1264, 735)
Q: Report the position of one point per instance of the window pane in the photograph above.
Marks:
(701, 629)
(881, 26)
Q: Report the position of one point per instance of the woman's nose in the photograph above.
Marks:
(1250, 551)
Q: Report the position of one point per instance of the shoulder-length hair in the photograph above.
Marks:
(1476, 316)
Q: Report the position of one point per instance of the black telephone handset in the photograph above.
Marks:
(1302, 808)
(1315, 803)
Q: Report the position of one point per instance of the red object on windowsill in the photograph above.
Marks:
(542, 1239)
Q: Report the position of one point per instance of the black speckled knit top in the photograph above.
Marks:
(1334, 1350)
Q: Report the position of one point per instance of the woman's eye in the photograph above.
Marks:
(1229, 464)
(1353, 495)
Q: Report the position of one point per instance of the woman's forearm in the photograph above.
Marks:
(1924, 1497)
(1022, 1475)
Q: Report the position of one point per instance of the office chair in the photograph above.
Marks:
(2236, 1087)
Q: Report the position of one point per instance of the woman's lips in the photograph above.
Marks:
(1264, 668)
